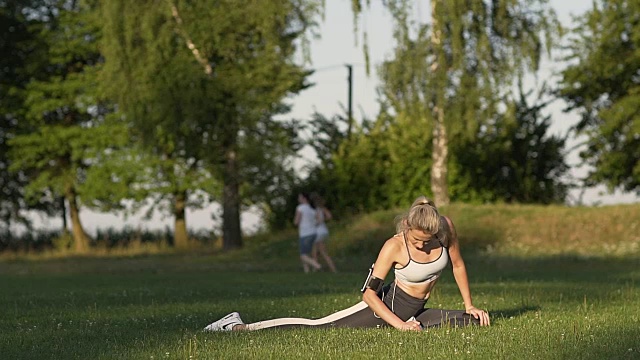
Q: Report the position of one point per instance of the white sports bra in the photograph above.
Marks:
(422, 273)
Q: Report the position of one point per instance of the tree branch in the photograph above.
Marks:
(194, 50)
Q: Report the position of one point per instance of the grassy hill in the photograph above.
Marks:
(487, 231)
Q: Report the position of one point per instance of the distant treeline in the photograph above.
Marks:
(106, 240)
(496, 230)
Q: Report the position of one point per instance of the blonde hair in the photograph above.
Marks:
(423, 215)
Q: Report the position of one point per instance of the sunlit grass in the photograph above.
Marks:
(561, 309)
(556, 300)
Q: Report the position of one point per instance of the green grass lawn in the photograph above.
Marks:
(550, 308)
(576, 299)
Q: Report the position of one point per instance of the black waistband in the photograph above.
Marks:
(401, 303)
(393, 291)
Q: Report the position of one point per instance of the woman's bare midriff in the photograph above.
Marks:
(419, 291)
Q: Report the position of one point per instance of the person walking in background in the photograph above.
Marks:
(425, 243)
(322, 232)
(305, 220)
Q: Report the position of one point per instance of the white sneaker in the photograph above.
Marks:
(226, 323)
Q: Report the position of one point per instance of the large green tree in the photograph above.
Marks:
(149, 77)
(449, 76)
(18, 43)
(203, 80)
(67, 130)
(602, 83)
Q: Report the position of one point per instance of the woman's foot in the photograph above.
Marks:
(227, 323)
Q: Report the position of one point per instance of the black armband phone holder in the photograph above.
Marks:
(372, 282)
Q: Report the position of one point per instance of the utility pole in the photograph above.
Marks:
(349, 102)
(64, 215)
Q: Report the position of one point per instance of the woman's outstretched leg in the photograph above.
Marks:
(438, 317)
(356, 316)
(227, 323)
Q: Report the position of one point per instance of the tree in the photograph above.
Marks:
(18, 41)
(602, 83)
(155, 85)
(211, 73)
(467, 58)
(65, 117)
(327, 136)
(514, 160)
(511, 158)
(270, 177)
(353, 173)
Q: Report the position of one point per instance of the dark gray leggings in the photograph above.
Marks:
(361, 316)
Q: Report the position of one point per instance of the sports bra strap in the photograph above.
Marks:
(406, 244)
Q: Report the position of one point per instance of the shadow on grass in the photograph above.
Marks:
(511, 313)
(171, 299)
(573, 268)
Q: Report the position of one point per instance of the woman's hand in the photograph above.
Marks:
(481, 315)
(411, 325)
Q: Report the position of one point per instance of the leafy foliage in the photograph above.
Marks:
(63, 119)
(498, 143)
(18, 39)
(603, 84)
(514, 160)
(201, 83)
(451, 76)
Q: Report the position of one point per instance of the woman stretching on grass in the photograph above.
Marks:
(425, 242)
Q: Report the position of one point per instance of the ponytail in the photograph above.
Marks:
(422, 215)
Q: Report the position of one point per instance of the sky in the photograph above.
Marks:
(337, 46)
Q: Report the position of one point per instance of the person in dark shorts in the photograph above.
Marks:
(423, 246)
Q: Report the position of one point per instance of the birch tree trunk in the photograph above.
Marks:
(439, 155)
(440, 143)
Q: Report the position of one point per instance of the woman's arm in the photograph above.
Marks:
(296, 219)
(460, 274)
(380, 270)
(327, 214)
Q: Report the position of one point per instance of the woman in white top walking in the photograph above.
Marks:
(305, 219)
(322, 232)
